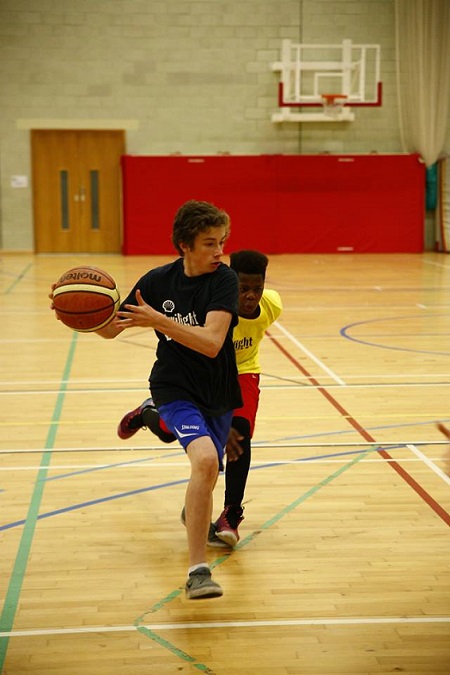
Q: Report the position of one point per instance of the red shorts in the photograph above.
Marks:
(249, 383)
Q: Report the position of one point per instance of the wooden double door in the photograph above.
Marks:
(77, 190)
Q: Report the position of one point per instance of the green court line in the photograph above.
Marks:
(310, 493)
(175, 650)
(138, 623)
(23, 553)
(16, 281)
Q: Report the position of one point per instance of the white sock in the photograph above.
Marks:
(197, 567)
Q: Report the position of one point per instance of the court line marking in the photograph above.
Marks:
(17, 278)
(18, 572)
(310, 355)
(361, 456)
(140, 623)
(294, 504)
(398, 468)
(92, 502)
(261, 445)
(99, 500)
(323, 417)
(291, 386)
(430, 463)
(436, 264)
(83, 468)
(351, 621)
(345, 333)
(121, 389)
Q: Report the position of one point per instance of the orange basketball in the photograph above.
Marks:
(86, 298)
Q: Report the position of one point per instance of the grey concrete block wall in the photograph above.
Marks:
(189, 76)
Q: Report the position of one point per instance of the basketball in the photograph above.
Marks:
(86, 299)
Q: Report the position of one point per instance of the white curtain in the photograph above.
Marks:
(423, 75)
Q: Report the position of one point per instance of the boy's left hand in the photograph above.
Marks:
(234, 449)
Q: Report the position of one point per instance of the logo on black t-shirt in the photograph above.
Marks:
(189, 318)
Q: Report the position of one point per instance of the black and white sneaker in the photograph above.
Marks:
(200, 585)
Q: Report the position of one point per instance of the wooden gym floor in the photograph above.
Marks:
(344, 560)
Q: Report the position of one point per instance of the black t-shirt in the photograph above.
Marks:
(180, 373)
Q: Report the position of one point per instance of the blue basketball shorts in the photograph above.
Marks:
(187, 423)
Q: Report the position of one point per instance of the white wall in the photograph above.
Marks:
(189, 76)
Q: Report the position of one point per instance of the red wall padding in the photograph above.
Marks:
(281, 203)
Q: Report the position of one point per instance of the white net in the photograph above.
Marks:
(333, 104)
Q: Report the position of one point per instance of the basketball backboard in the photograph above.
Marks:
(310, 75)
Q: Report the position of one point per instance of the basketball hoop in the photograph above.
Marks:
(333, 104)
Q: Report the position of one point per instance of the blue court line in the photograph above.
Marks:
(142, 629)
(160, 486)
(345, 334)
(255, 445)
(94, 502)
(9, 610)
(111, 466)
(346, 432)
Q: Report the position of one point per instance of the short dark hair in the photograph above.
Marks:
(194, 217)
(249, 262)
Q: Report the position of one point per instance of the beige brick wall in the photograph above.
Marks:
(189, 76)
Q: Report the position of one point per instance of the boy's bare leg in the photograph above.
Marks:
(199, 500)
(198, 509)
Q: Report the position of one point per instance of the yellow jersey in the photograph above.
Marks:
(248, 333)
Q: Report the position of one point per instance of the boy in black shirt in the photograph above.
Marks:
(258, 309)
(192, 304)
